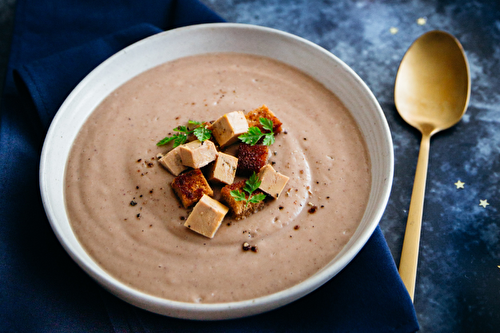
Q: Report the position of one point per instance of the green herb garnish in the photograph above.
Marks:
(254, 134)
(251, 137)
(200, 131)
(267, 124)
(192, 122)
(251, 185)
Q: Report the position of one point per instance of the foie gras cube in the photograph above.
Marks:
(252, 158)
(272, 182)
(240, 209)
(197, 154)
(223, 169)
(253, 118)
(190, 187)
(172, 161)
(227, 128)
(206, 216)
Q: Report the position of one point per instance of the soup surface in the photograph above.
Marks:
(112, 165)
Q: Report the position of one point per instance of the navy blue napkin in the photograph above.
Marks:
(41, 288)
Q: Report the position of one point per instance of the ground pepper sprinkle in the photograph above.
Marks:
(312, 210)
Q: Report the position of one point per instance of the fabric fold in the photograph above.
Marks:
(48, 81)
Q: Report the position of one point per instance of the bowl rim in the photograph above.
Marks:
(230, 309)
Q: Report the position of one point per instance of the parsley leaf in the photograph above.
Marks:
(182, 129)
(257, 198)
(268, 139)
(238, 195)
(252, 136)
(180, 140)
(200, 131)
(254, 133)
(251, 185)
(166, 140)
(267, 124)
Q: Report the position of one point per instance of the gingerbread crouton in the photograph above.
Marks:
(251, 158)
(240, 209)
(253, 119)
(190, 187)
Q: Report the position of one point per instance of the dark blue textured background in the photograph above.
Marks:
(458, 283)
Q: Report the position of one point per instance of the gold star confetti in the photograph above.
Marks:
(459, 184)
(393, 30)
(421, 21)
(483, 203)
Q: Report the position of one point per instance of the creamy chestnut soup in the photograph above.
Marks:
(125, 214)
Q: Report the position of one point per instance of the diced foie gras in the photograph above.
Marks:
(223, 169)
(197, 154)
(272, 182)
(240, 209)
(253, 118)
(206, 216)
(172, 161)
(251, 158)
(227, 128)
(190, 187)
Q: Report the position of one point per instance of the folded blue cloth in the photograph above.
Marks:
(55, 44)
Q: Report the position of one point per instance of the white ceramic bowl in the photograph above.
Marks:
(223, 37)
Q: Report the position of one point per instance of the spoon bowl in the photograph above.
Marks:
(431, 93)
(433, 85)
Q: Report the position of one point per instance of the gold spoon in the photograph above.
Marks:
(431, 93)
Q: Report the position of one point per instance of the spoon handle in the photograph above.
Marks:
(409, 254)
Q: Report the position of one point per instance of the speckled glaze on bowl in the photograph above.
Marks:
(207, 38)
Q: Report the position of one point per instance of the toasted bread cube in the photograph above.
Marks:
(253, 118)
(172, 161)
(190, 187)
(197, 154)
(206, 216)
(227, 128)
(224, 169)
(251, 158)
(239, 209)
(271, 181)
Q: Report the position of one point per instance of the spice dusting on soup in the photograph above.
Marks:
(131, 219)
